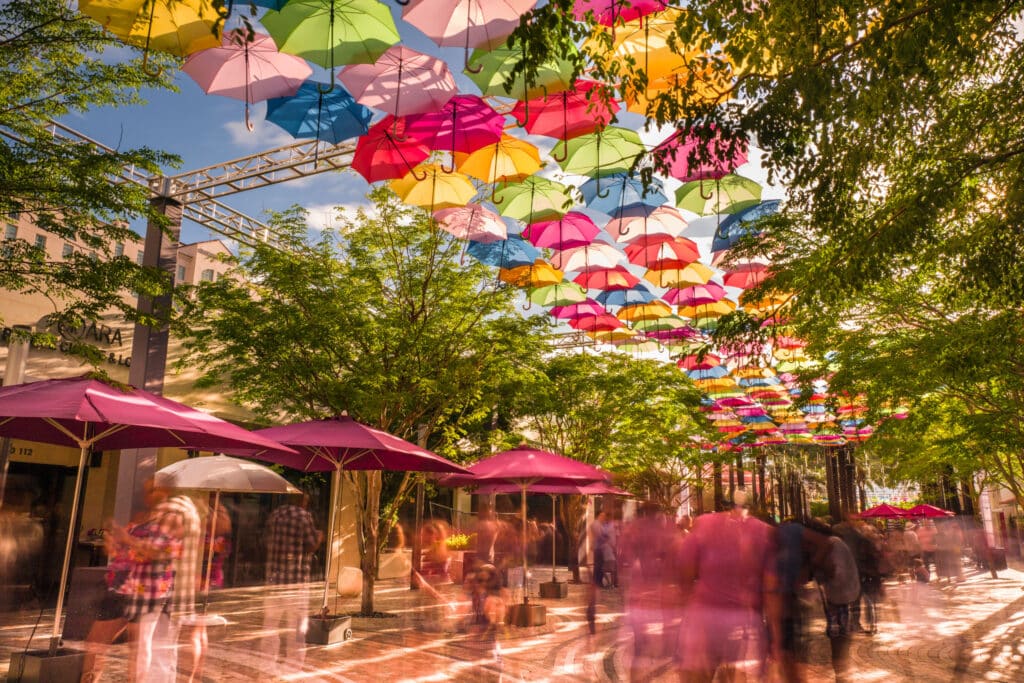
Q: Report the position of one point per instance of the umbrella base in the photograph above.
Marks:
(329, 630)
(527, 615)
(554, 589)
(37, 666)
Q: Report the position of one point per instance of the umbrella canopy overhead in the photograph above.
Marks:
(885, 511)
(925, 510)
(386, 152)
(221, 473)
(472, 222)
(526, 466)
(466, 23)
(490, 70)
(401, 82)
(180, 27)
(432, 187)
(464, 124)
(689, 155)
(323, 113)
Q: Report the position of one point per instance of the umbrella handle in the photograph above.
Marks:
(248, 121)
(565, 154)
(495, 199)
(145, 50)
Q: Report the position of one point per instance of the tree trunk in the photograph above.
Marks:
(368, 506)
(716, 473)
(572, 513)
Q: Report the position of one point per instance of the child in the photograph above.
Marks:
(920, 571)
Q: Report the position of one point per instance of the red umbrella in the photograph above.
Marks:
(85, 413)
(341, 443)
(596, 323)
(885, 511)
(607, 279)
(661, 251)
(746, 275)
(925, 510)
(567, 114)
(385, 153)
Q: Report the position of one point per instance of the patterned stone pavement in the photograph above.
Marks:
(971, 631)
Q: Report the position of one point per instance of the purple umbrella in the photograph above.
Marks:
(88, 414)
(341, 443)
(525, 468)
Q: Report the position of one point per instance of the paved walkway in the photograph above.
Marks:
(972, 631)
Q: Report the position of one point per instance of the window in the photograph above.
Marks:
(67, 251)
(41, 241)
(140, 257)
(119, 249)
(181, 273)
(11, 232)
(207, 275)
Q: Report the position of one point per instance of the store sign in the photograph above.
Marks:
(99, 334)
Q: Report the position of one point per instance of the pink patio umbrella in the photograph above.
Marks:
(883, 511)
(926, 510)
(401, 82)
(248, 70)
(341, 443)
(386, 153)
(92, 415)
(525, 467)
(472, 222)
(571, 230)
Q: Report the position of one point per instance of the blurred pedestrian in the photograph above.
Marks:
(840, 589)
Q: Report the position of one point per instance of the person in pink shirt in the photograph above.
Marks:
(730, 597)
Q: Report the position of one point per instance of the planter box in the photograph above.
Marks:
(37, 666)
(554, 590)
(329, 630)
(527, 615)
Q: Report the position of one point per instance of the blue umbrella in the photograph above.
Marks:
(708, 373)
(509, 253)
(331, 116)
(736, 225)
(624, 297)
(614, 192)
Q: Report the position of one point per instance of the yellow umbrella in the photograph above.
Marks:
(179, 27)
(510, 159)
(688, 276)
(537, 274)
(611, 336)
(716, 308)
(716, 383)
(429, 186)
(649, 311)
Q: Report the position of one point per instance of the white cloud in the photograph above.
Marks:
(264, 135)
(329, 216)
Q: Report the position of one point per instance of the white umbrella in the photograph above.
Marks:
(221, 473)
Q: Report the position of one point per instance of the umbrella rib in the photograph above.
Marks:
(81, 443)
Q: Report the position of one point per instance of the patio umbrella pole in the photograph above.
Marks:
(526, 597)
(209, 557)
(335, 490)
(72, 521)
(554, 535)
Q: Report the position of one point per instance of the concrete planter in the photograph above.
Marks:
(38, 666)
(554, 590)
(527, 615)
(329, 630)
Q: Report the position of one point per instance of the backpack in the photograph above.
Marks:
(843, 587)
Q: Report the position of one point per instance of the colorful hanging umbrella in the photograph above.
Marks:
(571, 230)
(586, 108)
(508, 159)
(588, 257)
(472, 222)
(616, 193)
(607, 278)
(660, 251)
(465, 123)
(490, 70)
(559, 295)
(885, 511)
(707, 310)
(431, 187)
(179, 27)
(736, 225)
(693, 274)
(695, 295)
(593, 323)
(333, 32)
(319, 112)
(746, 275)
(694, 155)
(642, 220)
(649, 311)
(247, 68)
(728, 194)
(637, 294)
(536, 274)
(385, 152)
(401, 82)
(613, 12)
(532, 199)
(578, 309)
(515, 251)
(466, 23)
(608, 151)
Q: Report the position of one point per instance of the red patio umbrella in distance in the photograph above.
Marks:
(341, 443)
(885, 511)
(88, 414)
(925, 510)
(526, 467)
(385, 153)
(568, 114)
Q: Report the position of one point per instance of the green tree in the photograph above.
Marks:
(385, 321)
(52, 64)
(610, 410)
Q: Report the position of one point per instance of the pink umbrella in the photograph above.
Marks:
(707, 293)
(925, 510)
(464, 124)
(85, 413)
(884, 510)
(341, 443)
(688, 157)
(611, 12)
(571, 230)
(588, 307)
(596, 255)
(641, 220)
(400, 82)
(248, 70)
(385, 153)
(472, 222)
(568, 114)
(466, 23)
(526, 467)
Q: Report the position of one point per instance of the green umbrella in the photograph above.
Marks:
(605, 152)
(533, 199)
(490, 71)
(730, 194)
(668, 322)
(560, 294)
(333, 32)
